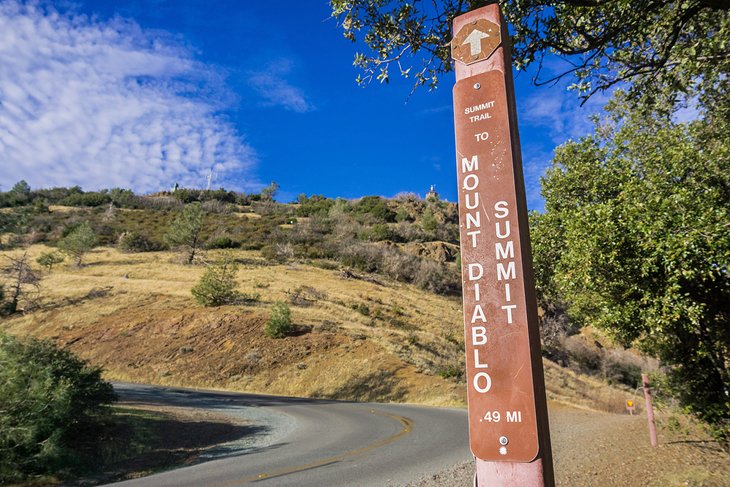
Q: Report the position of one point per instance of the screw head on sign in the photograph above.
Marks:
(502, 450)
(477, 86)
(503, 440)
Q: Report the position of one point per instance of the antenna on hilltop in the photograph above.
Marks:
(209, 178)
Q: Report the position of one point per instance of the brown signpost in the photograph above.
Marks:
(508, 423)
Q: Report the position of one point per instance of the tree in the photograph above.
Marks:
(23, 282)
(635, 240)
(428, 221)
(77, 243)
(217, 286)
(185, 231)
(269, 192)
(51, 408)
(49, 259)
(652, 45)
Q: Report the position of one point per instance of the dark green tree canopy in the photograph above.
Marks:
(651, 45)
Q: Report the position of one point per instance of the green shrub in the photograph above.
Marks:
(131, 242)
(374, 208)
(86, 199)
(428, 221)
(221, 242)
(453, 371)
(376, 233)
(49, 259)
(279, 324)
(52, 406)
(217, 286)
(314, 205)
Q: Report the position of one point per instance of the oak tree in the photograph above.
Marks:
(635, 239)
(657, 48)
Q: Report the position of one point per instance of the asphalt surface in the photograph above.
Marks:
(310, 442)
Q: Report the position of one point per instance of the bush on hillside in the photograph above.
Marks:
(87, 199)
(315, 205)
(376, 233)
(52, 406)
(130, 242)
(217, 286)
(221, 242)
(279, 324)
(49, 259)
(373, 208)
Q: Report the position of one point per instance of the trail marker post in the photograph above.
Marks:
(508, 423)
(649, 410)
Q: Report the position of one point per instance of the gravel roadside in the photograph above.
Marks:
(593, 449)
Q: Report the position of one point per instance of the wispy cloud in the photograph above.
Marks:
(103, 104)
(275, 89)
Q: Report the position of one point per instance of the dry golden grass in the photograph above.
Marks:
(134, 315)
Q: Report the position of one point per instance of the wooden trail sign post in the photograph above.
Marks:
(508, 423)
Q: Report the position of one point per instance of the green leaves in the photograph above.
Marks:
(217, 286)
(51, 403)
(655, 48)
(184, 232)
(279, 324)
(635, 239)
(78, 242)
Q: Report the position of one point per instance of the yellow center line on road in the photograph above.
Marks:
(407, 427)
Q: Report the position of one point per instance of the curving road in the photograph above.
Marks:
(310, 442)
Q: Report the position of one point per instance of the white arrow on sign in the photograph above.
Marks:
(475, 41)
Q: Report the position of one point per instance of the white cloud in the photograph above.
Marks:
(276, 91)
(105, 104)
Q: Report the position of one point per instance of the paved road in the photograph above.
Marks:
(309, 442)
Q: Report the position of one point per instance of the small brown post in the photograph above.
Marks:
(649, 410)
(508, 422)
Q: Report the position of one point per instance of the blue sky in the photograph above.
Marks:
(146, 93)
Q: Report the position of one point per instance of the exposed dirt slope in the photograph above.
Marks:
(358, 337)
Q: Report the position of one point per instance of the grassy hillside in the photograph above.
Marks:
(373, 285)
(356, 336)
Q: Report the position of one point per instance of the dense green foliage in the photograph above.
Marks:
(217, 286)
(279, 324)
(51, 406)
(659, 47)
(78, 242)
(185, 231)
(373, 209)
(315, 205)
(635, 240)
